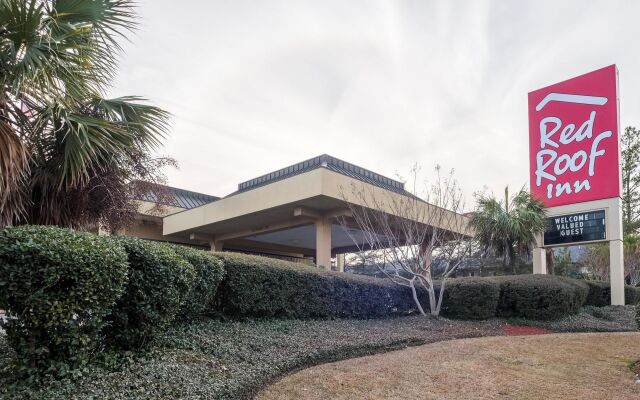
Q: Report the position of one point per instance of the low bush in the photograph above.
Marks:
(209, 272)
(471, 298)
(540, 296)
(57, 285)
(631, 295)
(262, 287)
(600, 294)
(589, 319)
(159, 283)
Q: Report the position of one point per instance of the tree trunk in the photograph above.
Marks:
(415, 298)
(432, 301)
(505, 258)
(550, 266)
(440, 297)
(514, 260)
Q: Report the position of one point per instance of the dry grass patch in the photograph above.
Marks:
(566, 366)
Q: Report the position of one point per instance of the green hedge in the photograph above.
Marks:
(471, 298)
(66, 291)
(57, 285)
(540, 296)
(209, 271)
(68, 294)
(262, 287)
(160, 281)
(600, 294)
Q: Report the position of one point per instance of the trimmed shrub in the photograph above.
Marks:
(209, 272)
(159, 283)
(263, 287)
(471, 298)
(631, 295)
(57, 285)
(540, 296)
(600, 294)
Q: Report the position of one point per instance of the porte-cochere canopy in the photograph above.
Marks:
(291, 212)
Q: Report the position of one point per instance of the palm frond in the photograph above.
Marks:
(101, 133)
(57, 59)
(512, 222)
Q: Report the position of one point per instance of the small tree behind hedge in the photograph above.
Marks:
(209, 272)
(57, 285)
(412, 234)
(159, 282)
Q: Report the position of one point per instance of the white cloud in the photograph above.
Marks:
(256, 85)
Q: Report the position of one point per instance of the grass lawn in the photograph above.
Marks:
(234, 359)
(567, 366)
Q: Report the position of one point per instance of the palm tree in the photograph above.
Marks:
(508, 227)
(60, 139)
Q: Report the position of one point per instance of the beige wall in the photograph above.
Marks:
(148, 223)
(313, 184)
(289, 190)
(153, 209)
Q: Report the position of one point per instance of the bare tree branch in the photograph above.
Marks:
(406, 235)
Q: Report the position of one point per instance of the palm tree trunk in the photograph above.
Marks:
(550, 265)
(505, 258)
(514, 261)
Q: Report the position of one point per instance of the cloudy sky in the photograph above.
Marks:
(257, 85)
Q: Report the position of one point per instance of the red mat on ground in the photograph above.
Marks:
(520, 330)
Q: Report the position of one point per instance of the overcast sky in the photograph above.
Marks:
(254, 86)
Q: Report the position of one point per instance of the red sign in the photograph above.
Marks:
(573, 139)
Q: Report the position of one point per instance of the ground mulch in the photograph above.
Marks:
(522, 330)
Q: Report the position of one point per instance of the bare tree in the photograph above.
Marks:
(596, 259)
(411, 234)
(632, 268)
(632, 259)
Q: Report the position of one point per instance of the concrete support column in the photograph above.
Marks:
(616, 271)
(540, 260)
(340, 261)
(616, 253)
(539, 256)
(216, 245)
(323, 243)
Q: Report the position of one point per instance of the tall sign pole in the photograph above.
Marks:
(574, 159)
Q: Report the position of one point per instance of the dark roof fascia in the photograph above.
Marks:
(328, 162)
